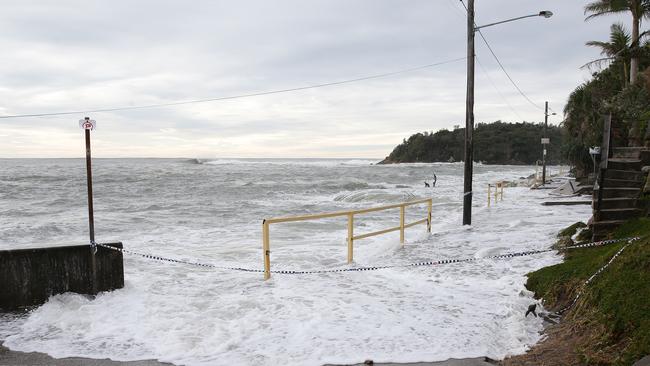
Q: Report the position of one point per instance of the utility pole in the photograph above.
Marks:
(469, 118)
(544, 146)
(469, 107)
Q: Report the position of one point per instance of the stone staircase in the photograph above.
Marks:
(621, 189)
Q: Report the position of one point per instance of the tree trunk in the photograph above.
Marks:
(634, 61)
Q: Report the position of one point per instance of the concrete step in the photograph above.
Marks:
(645, 156)
(618, 214)
(624, 164)
(623, 174)
(618, 192)
(622, 183)
(613, 203)
(627, 152)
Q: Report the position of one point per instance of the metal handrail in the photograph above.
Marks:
(496, 186)
(351, 237)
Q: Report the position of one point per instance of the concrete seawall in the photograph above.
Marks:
(29, 276)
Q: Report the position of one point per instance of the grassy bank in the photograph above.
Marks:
(610, 324)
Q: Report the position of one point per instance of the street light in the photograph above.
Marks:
(545, 141)
(469, 105)
(543, 13)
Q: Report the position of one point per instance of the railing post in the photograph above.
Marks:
(266, 249)
(350, 237)
(429, 204)
(489, 192)
(502, 191)
(401, 224)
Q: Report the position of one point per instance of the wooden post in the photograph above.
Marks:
(469, 119)
(350, 237)
(91, 211)
(429, 204)
(266, 249)
(89, 184)
(401, 224)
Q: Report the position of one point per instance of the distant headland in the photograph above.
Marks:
(494, 143)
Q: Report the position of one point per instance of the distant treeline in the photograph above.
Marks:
(494, 143)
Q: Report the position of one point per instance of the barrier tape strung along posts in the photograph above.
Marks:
(591, 278)
(178, 261)
(375, 268)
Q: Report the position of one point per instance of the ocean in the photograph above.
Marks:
(211, 211)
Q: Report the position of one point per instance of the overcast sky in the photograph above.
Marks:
(62, 56)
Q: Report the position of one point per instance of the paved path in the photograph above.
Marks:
(14, 358)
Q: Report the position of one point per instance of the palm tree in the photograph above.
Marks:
(638, 8)
(618, 47)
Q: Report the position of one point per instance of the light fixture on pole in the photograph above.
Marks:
(469, 105)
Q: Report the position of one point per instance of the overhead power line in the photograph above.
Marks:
(503, 68)
(507, 74)
(248, 95)
(459, 12)
(487, 75)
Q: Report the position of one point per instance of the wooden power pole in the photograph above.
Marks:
(469, 118)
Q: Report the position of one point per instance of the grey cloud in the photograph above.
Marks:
(70, 55)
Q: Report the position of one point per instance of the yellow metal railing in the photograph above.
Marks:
(497, 186)
(266, 246)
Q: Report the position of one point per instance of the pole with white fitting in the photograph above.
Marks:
(469, 104)
(469, 119)
(88, 125)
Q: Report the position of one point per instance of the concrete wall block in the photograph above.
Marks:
(30, 276)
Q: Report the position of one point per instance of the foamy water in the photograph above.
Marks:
(212, 211)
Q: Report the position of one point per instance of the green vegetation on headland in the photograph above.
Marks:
(494, 143)
(610, 323)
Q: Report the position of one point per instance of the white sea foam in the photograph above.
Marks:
(198, 316)
(303, 162)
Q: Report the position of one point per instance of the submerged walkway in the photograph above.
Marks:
(13, 358)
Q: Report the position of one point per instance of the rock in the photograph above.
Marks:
(387, 160)
(645, 361)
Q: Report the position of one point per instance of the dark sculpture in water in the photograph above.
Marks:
(433, 182)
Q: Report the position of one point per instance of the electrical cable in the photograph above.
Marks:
(497, 89)
(248, 95)
(502, 67)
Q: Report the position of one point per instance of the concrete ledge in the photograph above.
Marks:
(12, 358)
(30, 276)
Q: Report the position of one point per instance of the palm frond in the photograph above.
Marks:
(597, 63)
(606, 7)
